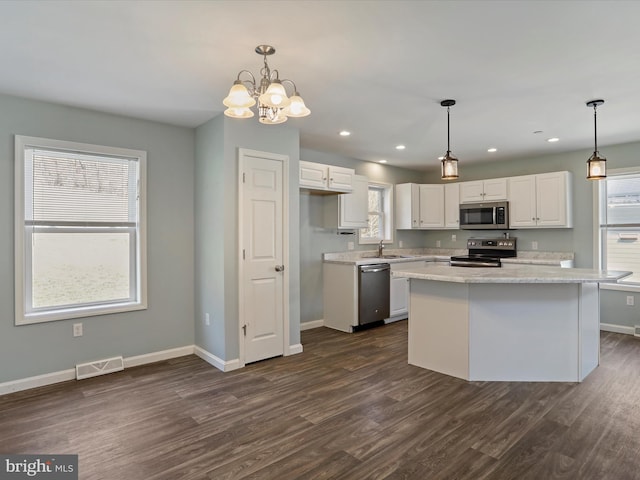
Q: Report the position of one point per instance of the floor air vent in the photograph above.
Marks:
(100, 367)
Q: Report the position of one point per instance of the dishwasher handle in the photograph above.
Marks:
(375, 268)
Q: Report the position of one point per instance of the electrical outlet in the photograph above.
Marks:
(438, 243)
(534, 245)
(207, 322)
(630, 300)
(77, 329)
(350, 246)
(454, 237)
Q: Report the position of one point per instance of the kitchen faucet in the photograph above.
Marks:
(380, 248)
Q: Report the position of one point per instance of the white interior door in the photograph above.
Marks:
(263, 299)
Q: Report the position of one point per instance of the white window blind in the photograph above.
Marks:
(80, 230)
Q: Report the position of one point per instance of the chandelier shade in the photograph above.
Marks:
(274, 105)
(596, 165)
(449, 163)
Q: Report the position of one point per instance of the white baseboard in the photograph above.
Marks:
(609, 327)
(211, 359)
(37, 381)
(64, 375)
(311, 324)
(293, 349)
(158, 356)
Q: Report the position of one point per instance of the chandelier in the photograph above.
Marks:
(274, 106)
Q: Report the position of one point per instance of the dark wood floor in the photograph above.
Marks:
(349, 407)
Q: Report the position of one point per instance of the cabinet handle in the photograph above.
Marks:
(279, 268)
(533, 218)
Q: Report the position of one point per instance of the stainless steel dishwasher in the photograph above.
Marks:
(373, 293)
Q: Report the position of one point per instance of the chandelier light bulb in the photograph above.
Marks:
(275, 96)
(238, 112)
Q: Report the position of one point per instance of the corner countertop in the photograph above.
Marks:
(442, 255)
(509, 274)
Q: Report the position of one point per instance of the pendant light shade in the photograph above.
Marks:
(596, 165)
(449, 163)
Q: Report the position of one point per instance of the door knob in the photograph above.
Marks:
(279, 268)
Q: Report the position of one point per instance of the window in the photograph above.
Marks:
(80, 230)
(380, 215)
(619, 223)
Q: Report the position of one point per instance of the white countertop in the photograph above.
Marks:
(441, 255)
(509, 274)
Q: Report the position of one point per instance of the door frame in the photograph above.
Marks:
(284, 159)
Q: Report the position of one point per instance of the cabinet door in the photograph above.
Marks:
(399, 296)
(313, 175)
(553, 201)
(495, 189)
(354, 206)
(471, 191)
(431, 206)
(452, 205)
(522, 201)
(407, 206)
(340, 179)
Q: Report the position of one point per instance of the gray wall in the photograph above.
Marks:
(315, 239)
(216, 211)
(168, 322)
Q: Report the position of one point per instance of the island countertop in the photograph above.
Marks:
(509, 273)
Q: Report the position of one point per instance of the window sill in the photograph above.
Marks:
(41, 317)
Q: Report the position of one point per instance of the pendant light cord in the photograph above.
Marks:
(595, 129)
(448, 130)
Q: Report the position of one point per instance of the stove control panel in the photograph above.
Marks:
(492, 243)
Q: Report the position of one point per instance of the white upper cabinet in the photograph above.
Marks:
(491, 190)
(452, 205)
(431, 206)
(407, 206)
(354, 206)
(540, 201)
(327, 178)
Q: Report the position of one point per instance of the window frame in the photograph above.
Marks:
(26, 315)
(387, 213)
(599, 210)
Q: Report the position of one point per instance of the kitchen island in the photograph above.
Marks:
(515, 323)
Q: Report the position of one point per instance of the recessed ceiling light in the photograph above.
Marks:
(344, 133)
(553, 139)
(400, 147)
(492, 149)
(382, 161)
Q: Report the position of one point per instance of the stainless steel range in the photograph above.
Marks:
(486, 252)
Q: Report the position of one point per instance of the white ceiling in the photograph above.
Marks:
(376, 68)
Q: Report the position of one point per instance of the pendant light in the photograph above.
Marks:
(596, 165)
(449, 162)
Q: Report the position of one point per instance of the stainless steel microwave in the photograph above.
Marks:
(484, 216)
